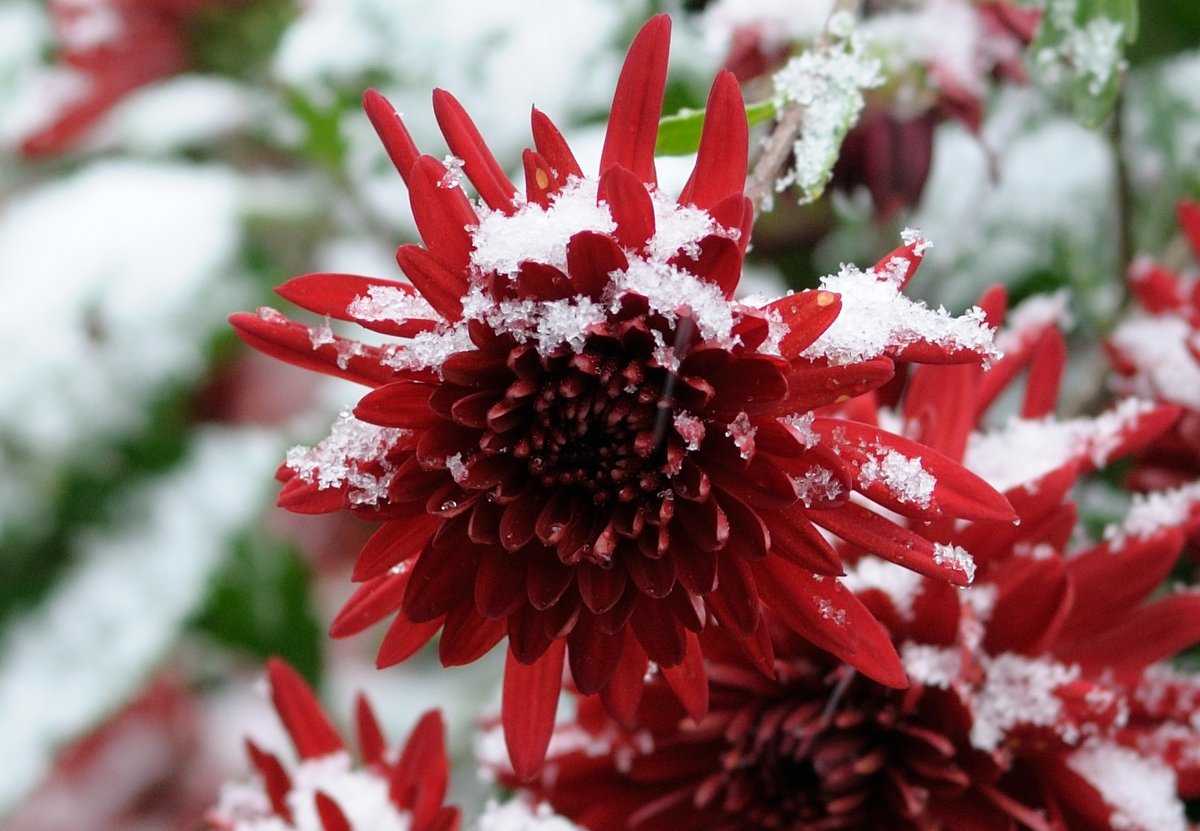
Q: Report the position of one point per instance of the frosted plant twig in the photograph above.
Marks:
(819, 97)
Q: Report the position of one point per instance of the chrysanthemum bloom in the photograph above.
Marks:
(1038, 700)
(580, 441)
(1156, 353)
(112, 47)
(324, 790)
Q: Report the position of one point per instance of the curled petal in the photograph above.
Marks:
(637, 102)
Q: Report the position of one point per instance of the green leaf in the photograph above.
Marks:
(260, 604)
(679, 134)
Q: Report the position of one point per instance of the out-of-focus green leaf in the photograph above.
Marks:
(1080, 48)
(679, 134)
(260, 605)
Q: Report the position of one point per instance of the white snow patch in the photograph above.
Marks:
(1154, 512)
(1140, 790)
(340, 458)
(905, 478)
(901, 585)
(518, 814)
(1164, 366)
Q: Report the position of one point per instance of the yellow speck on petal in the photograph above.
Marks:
(841, 399)
(542, 178)
(824, 298)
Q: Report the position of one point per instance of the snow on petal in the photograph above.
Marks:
(1141, 791)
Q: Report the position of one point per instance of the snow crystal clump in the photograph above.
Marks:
(1141, 791)
(339, 458)
(1017, 691)
(876, 317)
(1154, 512)
(827, 82)
(391, 303)
(361, 795)
(905, 478)
(518, 815)
(955, 557)
(1164, 366)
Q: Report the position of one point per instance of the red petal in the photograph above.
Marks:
(736, 213)
(721, 159)
(591, 258)
(441, 286)
(553, 147)
(275, 778)
(443, 214)
(370, 603)
(823, 611)
(440, 580)
(718, 261)
(593, 654)
(1189, 220)
(419, 780)
(311, 731)
(601, 588)
(403, 639)
(654, 577)
(394, 543)
(391, 130)
(630, 205)
(467, 636)
(1141, 637)
(333, 294)
(479, 164)
(1033, 599)
(807, 314)
(274, 335)
(735, 600)
(302, 497)
(878, 535)
(1045, 375)
(637, 103)
(688, 680)
(332, 818)
(371, 743)
(624, 689)
(499, 583)
(794, 538)
(539, 181)
(658, 631)
(528, 704)
(812, 385)
(399, 404)
(940, 402)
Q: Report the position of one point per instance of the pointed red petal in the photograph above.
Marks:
(539, 181)
(335, 294)
(419, 780)
(272, 334)
(404, 639)
(275, 778)
(444, 216)
(630, 205)
(479, 164)
(1045, 375)
(807, 314)
(1189, 220)
(718, 261)
(721, 160)
(399, 404)
(591, 257)
(735, 600)
(441, 579)
(311, 731)
(394, 543)
(467, 636)
(371, 743)
(637, 103)
(395, 137)
(332, 818)
(624, 689)
(823, 611)
(794, 538)
(528, 704)
(441, 286)
(1141, 637)
(688, 680)
(553, 147)
(593, 654)
(370, 603)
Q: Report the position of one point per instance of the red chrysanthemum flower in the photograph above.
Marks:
(1038, 700)
(580, 442)
(1156, 353)
(115, 47)
(324, 790)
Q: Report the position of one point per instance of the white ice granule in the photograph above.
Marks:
(502, 242)
(1017, 691)
(362, 796)
(673, 292)
(901, 585)
(742, 432)
(1155, 511)
(1140, 790)
(933, 666)
(1165, 368)
(390, 303)
(1090, 52)
(876, 317)
(690, 429)
(546, 323)
(1024, 450)
(428, 350)
(955, 557)
(518, 814)
(802, 428)
(827, 81)
(818, 484)
(338, 459)
(905, 478)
